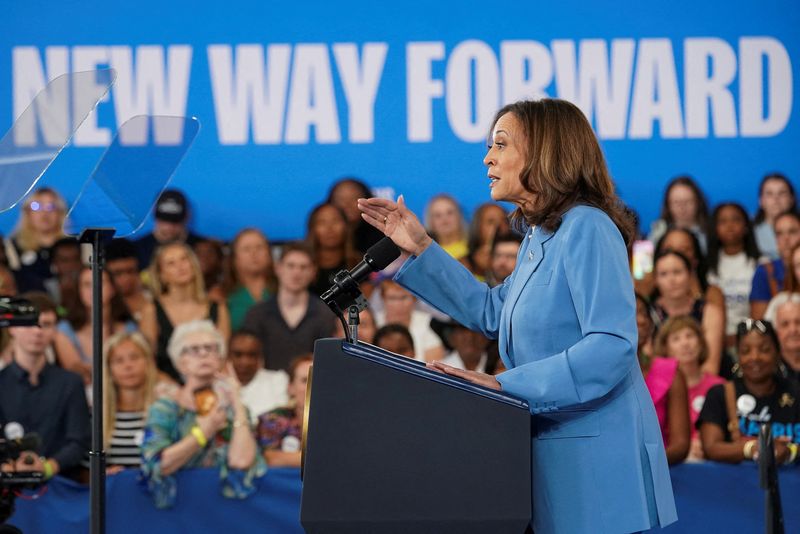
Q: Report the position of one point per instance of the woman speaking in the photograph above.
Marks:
(565, 319)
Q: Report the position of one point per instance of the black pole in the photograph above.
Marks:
(768, 478)
(97, 456)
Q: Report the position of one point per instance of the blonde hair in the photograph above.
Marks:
(25, 235)
(159, 288)
(148, 388)
(676, 324)
(463, 229)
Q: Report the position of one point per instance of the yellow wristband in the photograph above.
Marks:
(47, 469)
(747, 450)
(199, 436)
(793, 450)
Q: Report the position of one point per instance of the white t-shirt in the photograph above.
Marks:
(735, 277)
(453, 359)
(422, 334)
(265, 392)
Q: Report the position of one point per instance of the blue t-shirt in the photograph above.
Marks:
(761, 290)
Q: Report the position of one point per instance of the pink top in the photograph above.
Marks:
(659, 379)
(697, 396)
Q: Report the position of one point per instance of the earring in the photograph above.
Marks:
(736, 370)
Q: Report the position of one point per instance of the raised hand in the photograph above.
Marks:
(397, 222)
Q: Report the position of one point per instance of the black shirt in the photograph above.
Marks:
(282, 343)
(55, 409)
(781, 409)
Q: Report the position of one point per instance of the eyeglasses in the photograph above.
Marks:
(43, 206)
(748, 325)
(201, 349)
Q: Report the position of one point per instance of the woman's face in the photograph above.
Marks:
(796, 263)
(731, 226)
(682, 205)
(44, 213)
(445, 217)
(506, 161)
(787, 235)
(176, 267)
(644, 323)
(679, 241)
(209, 257)
(684, 346)
(297, 387)
(398, 303)
(758, 357)
(201, 356)
(776, 198)
(128, 365)
(492, 219)
(329, 228)
(345, 197)
(251, 253)
(673, 279)
(85, 288)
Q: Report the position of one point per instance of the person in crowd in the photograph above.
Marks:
(344, 194)
(122, 264)
(131, 385)
(280, 431)
(667, 387)
(505, 248)
(74, 347)
(290, 321)
(566, 321)
(327, 236)
(488, 220)
(784, 313)
(44, 398)
(775, 196)
(179, 297)
(204, 424)
(8, 285)
(445, 223)
(211, 257)
(262, 389)
(732, 259)
(674, 296)
(733, 412)
(250, 274)
(395, 338)
(39, 227)
(681, 340)
(399, 308)
(171, 225)
(769, 277)
(467, 348)
(684, 206)
(366, 326)
(66, 265)
(791, 283)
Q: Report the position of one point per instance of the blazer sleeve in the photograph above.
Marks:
(601, 289)
(437, 278)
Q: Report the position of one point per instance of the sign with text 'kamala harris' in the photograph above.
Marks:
(292, 97)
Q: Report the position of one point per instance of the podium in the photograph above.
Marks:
(394, 447)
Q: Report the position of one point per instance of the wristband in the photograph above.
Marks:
(793, 449)
(47, 468)
(199, 436)
(747, 450)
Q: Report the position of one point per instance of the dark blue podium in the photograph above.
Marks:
(394, 447)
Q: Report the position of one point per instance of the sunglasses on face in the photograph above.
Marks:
(43, 206)
(748, 325)
(201, 349)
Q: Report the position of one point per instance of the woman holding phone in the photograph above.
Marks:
(205, 424)
(565, 319)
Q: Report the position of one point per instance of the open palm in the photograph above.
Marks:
(397, 222)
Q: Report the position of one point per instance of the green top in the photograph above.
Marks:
(239, 302)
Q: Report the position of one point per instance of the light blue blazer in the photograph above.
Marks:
(566, 323)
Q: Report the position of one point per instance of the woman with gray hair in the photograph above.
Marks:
(204, 424)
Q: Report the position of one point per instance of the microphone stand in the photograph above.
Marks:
(349, 297)
(768, 479)
(97, 456)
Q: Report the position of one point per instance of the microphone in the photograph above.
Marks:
(345, 283)
(17, 441)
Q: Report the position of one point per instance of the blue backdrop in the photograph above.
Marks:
(292, 96)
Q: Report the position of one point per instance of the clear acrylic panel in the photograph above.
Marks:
(42, 130)
(133, 171)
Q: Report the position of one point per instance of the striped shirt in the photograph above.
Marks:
(125, 447)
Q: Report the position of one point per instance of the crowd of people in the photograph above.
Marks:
(208, 344)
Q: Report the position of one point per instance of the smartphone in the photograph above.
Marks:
(643, 252)
(205, 399)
